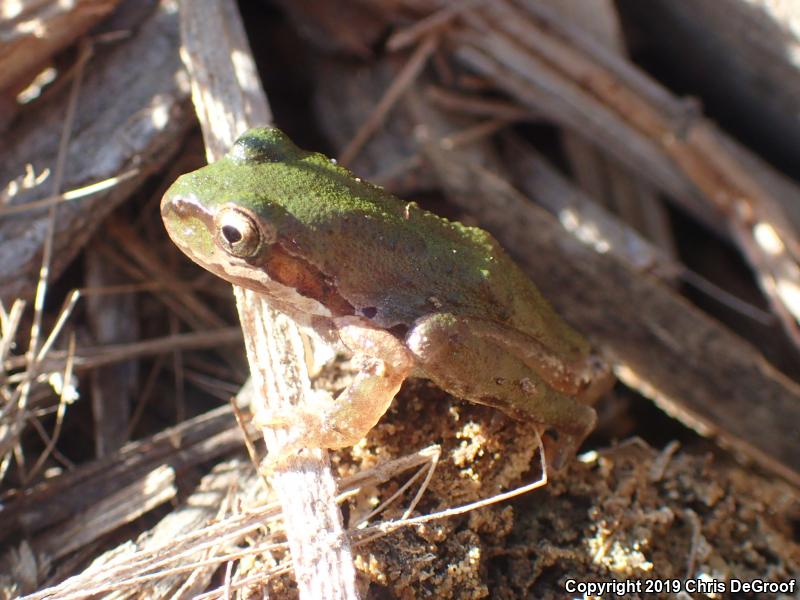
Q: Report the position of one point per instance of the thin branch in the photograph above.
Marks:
(228, 99)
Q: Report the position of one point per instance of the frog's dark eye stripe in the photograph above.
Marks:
(238, 233)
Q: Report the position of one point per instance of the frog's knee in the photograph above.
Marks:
(363, 338)
(434, 336)
(587, 421)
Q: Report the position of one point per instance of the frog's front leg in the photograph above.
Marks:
(484, 362)
(327, 422)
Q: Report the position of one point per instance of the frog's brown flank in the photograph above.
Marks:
(296, 273)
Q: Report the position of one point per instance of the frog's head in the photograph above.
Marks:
(239, 216)
(228, 211)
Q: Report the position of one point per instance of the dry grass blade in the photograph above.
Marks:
(58, 177)
(379, 530)
(428, 25)
(92, 357)
(9, 324)
(482, 107)
(148, 266)
(429, 469)
(67, 396)
(72, 195)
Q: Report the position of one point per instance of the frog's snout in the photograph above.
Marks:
(184, 207)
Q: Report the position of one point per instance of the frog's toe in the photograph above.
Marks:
(562, 443)
(275, 419)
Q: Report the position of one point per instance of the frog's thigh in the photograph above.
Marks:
(462, 356)
(567, 374)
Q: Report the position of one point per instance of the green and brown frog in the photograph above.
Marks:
(410, 292)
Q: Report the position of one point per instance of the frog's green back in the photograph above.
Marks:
(385, 255)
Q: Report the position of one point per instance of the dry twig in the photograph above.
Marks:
(229, 99)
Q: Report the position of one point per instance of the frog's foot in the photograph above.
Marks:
(559, 447)
(468, 358)
(298, 421)
(326, 422)
(601, 380)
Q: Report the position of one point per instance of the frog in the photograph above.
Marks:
(405, 291)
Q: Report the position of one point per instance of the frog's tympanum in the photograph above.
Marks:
(410, 293)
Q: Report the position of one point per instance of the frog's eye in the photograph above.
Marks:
(238, 233)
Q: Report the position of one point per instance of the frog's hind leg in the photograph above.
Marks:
(468, 358)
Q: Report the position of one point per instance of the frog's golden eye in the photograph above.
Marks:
(238, 233)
